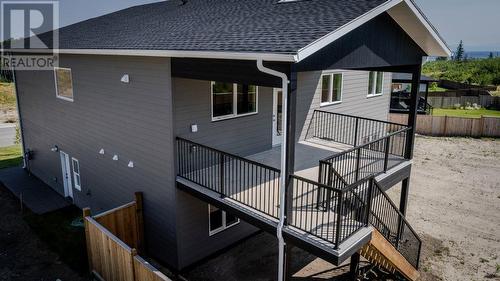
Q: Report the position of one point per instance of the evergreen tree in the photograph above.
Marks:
(491, 55)
(459, 54)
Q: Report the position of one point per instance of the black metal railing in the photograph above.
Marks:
(331, 214)
(365, 160)
(392, 224)
(248, 182)
(348, 129)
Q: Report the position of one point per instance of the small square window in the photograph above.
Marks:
(64, 83)
(331, 88)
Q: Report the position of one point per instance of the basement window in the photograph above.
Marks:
(231, 100)
(64, 83)
(375, 83)
(219, 220)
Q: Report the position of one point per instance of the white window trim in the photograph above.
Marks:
(57, 88)
(223, 227)
(77, 186)
(330, 91)
(374, 93)
(235, 104)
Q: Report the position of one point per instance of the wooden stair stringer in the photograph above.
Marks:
(381, 253)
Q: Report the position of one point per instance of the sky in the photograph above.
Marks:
(476, 22)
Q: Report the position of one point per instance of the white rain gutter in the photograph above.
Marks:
(279, 231)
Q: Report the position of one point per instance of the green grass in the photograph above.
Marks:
(465, 113)
(7, 97)
(10, 156)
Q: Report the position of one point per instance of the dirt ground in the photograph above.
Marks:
(454, 205)
(23, 256)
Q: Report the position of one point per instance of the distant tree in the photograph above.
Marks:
(442, 58)
(491, 55)
(459, 53)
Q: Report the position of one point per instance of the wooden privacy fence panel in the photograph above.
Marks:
(449, 102)
(112, 238)
(146, 272)
(453, 126)
(121, 222)
(108, 256)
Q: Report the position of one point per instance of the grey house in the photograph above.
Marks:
(212, 107)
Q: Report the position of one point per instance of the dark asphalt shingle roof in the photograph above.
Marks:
(216, 25)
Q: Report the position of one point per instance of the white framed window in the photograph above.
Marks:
(375, 83)
(332, 85)
(218, 220)
(76, 173)
(64, 83)
(230, 100)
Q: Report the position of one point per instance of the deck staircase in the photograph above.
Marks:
(345, 211)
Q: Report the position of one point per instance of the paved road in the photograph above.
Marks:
(7, 134)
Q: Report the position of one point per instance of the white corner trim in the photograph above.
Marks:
(343, 30)
(283, 57)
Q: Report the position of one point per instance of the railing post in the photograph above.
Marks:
(358, 160)
(369, 202)
(356, 132)
(221, 161)
(386, 156)
(339, 218)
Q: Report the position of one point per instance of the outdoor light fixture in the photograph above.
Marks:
(130, 164)
(125, 78)
(101, 151)
(55, 148)
(115, 157)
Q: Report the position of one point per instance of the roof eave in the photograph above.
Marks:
(266, 56)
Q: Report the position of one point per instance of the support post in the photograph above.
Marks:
(354, 267)
(140, 222)
(290, 143)
(426, 97)
(412, 113)
(403, 202)
(288, 261)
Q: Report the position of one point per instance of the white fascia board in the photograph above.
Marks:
(171, 53)
(343, 30)
(442, 49)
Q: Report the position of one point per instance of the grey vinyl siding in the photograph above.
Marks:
(133, 121)
(355, 100)
(241, 135)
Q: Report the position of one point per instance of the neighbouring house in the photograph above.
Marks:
(212, 108)
(401, 93)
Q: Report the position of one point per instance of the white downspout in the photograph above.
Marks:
(279, 232)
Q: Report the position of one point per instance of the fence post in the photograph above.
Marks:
(133, 253)
(445, 125)
(222, 191)
(140, 221)
(386, 156)
(481, 126)
(356, 133)
(86, 213)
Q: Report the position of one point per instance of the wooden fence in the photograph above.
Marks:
(452, 126)
(112, 240)
(449, 102)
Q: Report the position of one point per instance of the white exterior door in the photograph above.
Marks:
(277, 116)
(66, 174)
